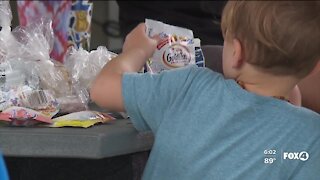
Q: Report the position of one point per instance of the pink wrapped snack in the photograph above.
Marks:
(20, 116)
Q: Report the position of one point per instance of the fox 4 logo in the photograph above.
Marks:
(303, 156)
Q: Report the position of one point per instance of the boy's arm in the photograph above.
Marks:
(106, 90)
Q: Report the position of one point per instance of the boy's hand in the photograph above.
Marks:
(106, 89)
(137, 40)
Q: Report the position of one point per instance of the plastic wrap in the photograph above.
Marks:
(7, 41)
(30, 78)
(84, 66)
(5, 13)
(30, 67)
(78, 101)
(5, 20)
(36, 40)
(36, 43)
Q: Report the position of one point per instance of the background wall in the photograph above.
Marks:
(105, 13)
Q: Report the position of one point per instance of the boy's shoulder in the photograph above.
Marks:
(304, 113)
(303, 120)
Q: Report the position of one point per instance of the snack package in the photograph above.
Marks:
(177, 48)
(83, 119)
(25, 96)
(200, 60)
(20, 116)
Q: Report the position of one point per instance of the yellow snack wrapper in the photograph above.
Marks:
(83, 119)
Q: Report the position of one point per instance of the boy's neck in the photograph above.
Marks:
(266, 84)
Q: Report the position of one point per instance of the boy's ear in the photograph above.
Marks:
(237, 53)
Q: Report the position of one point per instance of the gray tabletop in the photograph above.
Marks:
(100, 141)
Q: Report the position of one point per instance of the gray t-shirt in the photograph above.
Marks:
(207, 127)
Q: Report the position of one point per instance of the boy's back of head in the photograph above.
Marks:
(279, 37)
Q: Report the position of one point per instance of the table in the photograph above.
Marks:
(100, 141)
(114, 151)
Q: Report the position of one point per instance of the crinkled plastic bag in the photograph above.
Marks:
(25, 64)
(84, 66)
(7, 40)
(52, 74)
(5, 14)
(36, 42)
(24, 96)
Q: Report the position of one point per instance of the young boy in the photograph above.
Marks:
(240, 126)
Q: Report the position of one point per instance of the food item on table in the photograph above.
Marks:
(20, 116)
(84, 66)
(71, 103)
(25, 96)
(53, 76)
(83, 119)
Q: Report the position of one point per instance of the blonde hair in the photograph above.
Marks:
(280, 37)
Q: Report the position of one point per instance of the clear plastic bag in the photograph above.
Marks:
(5, 13)
(84, 66)
(7, 41)
(78, 101)
(36, 41)
(25, 64)
(30, 67)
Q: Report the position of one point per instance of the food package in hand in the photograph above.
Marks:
(175, 49)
